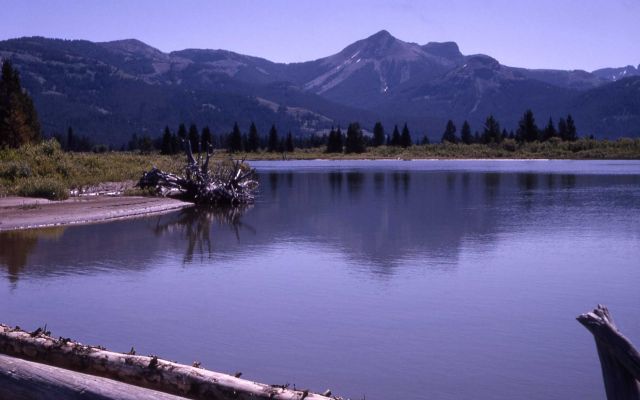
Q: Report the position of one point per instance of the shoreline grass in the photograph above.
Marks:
(44, 170)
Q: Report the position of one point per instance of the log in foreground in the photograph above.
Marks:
(27, 380)
(230, 184)
(148, 372)
(620, 361)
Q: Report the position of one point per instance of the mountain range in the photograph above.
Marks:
(110, 90)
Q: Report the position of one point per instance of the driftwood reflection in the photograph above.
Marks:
(196, 225)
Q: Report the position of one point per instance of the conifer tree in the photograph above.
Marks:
(425, 140)
(491, 133)
(19, 122)
(572, 132)
(378, 135)
(272, 144)
(167, 142)
(405, 138)
(449, 134)
(288, 146)
(235, 139)
(194, 138)
(465, 134)
(354, 142)
(182, 134)
(549, 131)
(527, 128)
(395, 137)
(339, 140)
(331, 141)
(206, 138)
(253, 141)
(562, 128)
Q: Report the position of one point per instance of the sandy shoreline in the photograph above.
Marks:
(26, 213)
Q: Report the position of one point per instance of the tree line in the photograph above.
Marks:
(353, 141)
(235, 141)
(527, 131)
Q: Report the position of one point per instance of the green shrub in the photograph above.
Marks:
(509, 145)
(50, 147)
(13, 170)
(47, 188)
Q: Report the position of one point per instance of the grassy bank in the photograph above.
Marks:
(44, 170)
(584, 149)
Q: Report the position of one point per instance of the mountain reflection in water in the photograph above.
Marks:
(377, 219)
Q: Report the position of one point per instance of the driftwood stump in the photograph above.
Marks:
(620, 361)
(229, 184)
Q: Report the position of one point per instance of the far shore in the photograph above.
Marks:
(26, 213)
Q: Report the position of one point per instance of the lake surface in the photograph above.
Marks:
(386, 279)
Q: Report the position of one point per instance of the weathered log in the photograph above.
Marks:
(619, 360)
(230, 184)
(27, 380)
(148, 372)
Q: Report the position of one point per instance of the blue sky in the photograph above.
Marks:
(565, 34)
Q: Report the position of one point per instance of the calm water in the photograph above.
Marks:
(390, 280)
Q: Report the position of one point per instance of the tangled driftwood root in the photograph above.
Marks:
(230, 183)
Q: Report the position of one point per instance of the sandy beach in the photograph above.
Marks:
(25, 213)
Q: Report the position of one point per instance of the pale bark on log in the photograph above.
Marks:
(27, 380)
(619, 360)
(148, 372)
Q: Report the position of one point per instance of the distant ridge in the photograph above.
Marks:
(109, 90)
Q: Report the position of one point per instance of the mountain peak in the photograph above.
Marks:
(382, 34)
(130, 46)
(380, 45)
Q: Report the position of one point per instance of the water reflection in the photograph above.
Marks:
(355, 182)
(195, 225)
(376, 219)
(378, 182)
(335, 181)
(460, 274)
(401, 181)
(492, 185)
(273, 182)
(128, 244)
(15, 247)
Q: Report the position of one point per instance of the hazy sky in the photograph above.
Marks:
(567, 34)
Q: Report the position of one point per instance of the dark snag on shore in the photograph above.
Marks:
(231, 183)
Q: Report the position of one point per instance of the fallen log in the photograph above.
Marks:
(145, 371)
(619, 360)
(27, 380)
(230, 183)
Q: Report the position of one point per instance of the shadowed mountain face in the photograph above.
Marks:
(113, 89)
